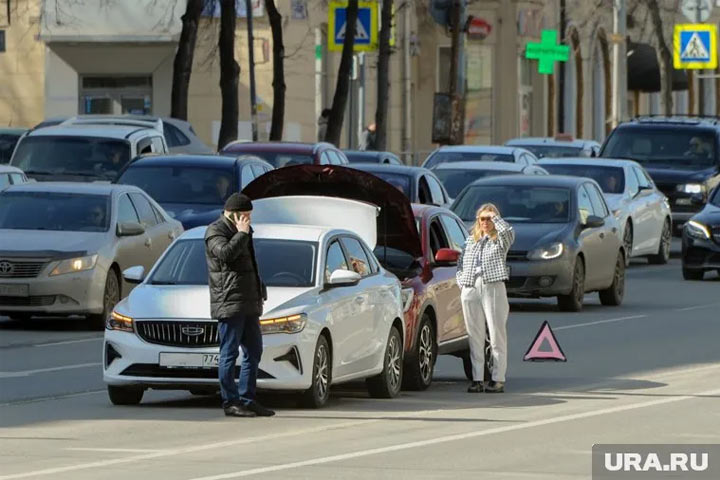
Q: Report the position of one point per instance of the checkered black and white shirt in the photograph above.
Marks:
(486, 258)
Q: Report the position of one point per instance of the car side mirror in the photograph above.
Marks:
(447, 257)
(697, 199)
(129, 229)
(593, 221)
(134, 274)
(343, 278)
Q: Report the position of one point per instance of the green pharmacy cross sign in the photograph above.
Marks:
(547, 52)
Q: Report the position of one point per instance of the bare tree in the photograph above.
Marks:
(182, 66)
(383, 77)
(278, 113)
(342, 88)
(229, 74)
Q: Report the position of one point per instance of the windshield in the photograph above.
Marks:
(7, 145)
(282, 263)
(684, 148)
(99, 158)
(611, 179)
(446, 157)
(70, 212)
(553, 151)
(517, 203)
(279, 160)
(173, 184)
(455, 180)
(399, 181)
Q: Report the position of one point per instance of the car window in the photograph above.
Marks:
(335, 260)
(4, 180)
(174, 136)
(642, 178)
(585, 208)
(424, 195)
(55, 211)
(144, 146)
(342, 158)
(257, 170)
(632, 182)
(446, 157)
(144, 209)
(438, 239)
(597, 201)
(522, 159)
(159, 216)
(517, 203)
(7, 145)
(454, 232)
(157, 145)
(373, 261)
(246, 176)
(436, 192)
(358, 258)
(126, 210)
(334, 158)
(17, 178)
(611, 179)
(180, 184)
(324, 158)
(393, 160)
(399, 181)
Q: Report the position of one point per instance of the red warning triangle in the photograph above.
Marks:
(544, 337)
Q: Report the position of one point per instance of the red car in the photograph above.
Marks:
(419, 243)
(286, 154)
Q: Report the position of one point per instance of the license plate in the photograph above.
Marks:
(683, 201)
(189, 360)
(13, 290)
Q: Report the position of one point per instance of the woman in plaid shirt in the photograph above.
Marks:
(482, 271)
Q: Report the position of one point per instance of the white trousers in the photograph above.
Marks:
(486, 303)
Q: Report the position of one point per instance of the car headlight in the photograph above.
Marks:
(407, 295)
(118, 321)
(73, 265)
(289, 324)
(547, 253)
(697, 230)
(691, 188)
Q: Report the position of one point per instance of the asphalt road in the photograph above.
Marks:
(645, 372)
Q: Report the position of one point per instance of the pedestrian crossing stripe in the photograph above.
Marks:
(695, 46)
(366, 30)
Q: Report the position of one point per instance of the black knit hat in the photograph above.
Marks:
(237, 202)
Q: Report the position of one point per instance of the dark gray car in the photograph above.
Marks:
(567, 242)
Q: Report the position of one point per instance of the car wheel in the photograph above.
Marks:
(111, 297)
(573, 302)
(663, 255)
(125, 395)
(613, 295)
(693, 274)
(628, 242)
(420, 365)
(388, 383)
(319, 392)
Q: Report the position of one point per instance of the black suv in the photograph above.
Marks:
(681, 154)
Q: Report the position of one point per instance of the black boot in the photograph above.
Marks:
(476, 387)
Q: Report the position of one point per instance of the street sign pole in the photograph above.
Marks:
(701, 82)
(619, 82)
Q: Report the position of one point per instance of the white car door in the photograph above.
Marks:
(344, 315)
(645, 237)
(656, 209)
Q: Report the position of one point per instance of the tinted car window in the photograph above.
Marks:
(436, 193)
(144, 209)
(335, 260)
(447, 157)
(17, 178)
(548, 151)
(359, 261)
(281, 263)
(401, 182)
(398, 262)
(172, 184)
(363, 157)
(76, 212)
(585, 208)
(685, 148)
(126, 210)
(610, 179)
(454, 232)
(173, 136)
(517, 203)
(7, 145)
(279, 160)
(597, 201)
(91, 157)
(455, 180)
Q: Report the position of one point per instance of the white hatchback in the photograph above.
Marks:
(333, 314)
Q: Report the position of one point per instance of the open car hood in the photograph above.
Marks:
(395, 222)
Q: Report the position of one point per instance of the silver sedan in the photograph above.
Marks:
(63, 246)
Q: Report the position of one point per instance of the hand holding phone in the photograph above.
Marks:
(242, 222)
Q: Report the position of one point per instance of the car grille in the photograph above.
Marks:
(517, 255)
(669, 189)
(153, 370)
(180, 334)
(36, 301)
(15, 269)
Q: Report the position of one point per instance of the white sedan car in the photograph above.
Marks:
(333, 314)
(641, 209)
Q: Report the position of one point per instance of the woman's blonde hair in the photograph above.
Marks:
(477, 230)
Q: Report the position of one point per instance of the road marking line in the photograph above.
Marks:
(696, 307)
(27, 373)
(611, 320)
(115, 450)
(448, 438)
(68, 342)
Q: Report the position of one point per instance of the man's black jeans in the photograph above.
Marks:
(241, 330)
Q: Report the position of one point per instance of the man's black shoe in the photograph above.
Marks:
(238, 411)
(259, 410)
(476, 387)
(495, 387)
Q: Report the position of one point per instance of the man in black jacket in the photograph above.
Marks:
(236, 301)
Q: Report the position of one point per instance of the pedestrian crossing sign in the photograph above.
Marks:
(695, 46)
(366, 27)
